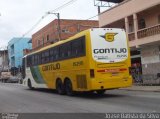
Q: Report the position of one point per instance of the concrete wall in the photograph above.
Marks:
(19, 45)
(125, 9)
(150, 60)
(150, 16)
(3, 60)
(72, 27)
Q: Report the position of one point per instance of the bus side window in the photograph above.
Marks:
(39, 59)
(51, 57)
(56, 53)
(78, 47)
(32, 63)
(46, 53)
(43, 57)
(65, 50)
(35, 59)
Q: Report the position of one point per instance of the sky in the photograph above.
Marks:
(17, 17)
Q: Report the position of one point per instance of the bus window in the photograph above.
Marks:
(65, 50)
(46, 56)
(56, 53)
(23, 68)
(78, 47)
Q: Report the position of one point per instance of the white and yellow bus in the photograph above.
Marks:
(97, 59)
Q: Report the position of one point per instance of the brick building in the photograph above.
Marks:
(49, 34)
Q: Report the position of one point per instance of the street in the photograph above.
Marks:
(18, 99)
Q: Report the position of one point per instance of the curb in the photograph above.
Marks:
(142, 90)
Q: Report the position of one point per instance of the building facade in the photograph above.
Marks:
(141, 20)
(51, 32)
(4, 66)
(15, 51)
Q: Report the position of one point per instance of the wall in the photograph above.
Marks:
(125, 9)
(72, 26)
(150, 60)
(19, 45)
(150, 16)
(3, 60)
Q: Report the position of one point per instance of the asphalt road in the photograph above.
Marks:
(15, 98)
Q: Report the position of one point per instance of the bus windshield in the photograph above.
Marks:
(109, 45)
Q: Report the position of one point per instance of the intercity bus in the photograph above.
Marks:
(96, 60)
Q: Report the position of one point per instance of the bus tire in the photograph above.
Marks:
(68, 87)
(100, 92)
(30, 84)
(60, 87)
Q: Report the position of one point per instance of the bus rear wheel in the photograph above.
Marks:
(60, 87)
(100, 92)
(68, 88)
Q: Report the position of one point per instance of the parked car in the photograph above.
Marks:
(4, 76)
(13, 79)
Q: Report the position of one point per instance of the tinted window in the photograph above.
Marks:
(78, 47)
(29, 61)
(46, 56)
(65, 50)
(54, 54)
(43, 57)
(71, 49)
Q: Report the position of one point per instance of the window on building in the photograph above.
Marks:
(142, 24)
(131, 28)
(65, 31)
(47, 38)
(158, 19)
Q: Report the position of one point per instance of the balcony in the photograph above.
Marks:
(120, 11)
(131, 36)
(154, 30)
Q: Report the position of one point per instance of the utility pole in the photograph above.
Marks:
(99, 9)
(59, 24)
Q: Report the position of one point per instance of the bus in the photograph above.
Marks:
(96, 59)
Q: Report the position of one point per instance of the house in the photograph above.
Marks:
(15, 52)
(141, 20)
(52, 33)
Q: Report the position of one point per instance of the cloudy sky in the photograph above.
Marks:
(19, 16)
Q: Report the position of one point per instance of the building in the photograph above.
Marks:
(15, 51)
(4, 60)
(141, 20)
(51, 32)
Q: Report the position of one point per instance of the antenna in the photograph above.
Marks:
(105, 3)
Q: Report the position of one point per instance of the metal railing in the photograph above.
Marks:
(149, 31)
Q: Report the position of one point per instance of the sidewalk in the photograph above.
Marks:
(143, 88)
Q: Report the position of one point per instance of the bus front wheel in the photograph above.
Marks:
(68, 87)
(60, 87)
(30, 84)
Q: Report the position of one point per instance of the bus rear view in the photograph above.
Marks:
(109, 59)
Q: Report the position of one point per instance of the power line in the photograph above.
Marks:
(33, 27)
(63, 6)
(46, 14)
(78, 22)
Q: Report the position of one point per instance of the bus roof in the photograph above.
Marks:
(64, 41)
(59, 42)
